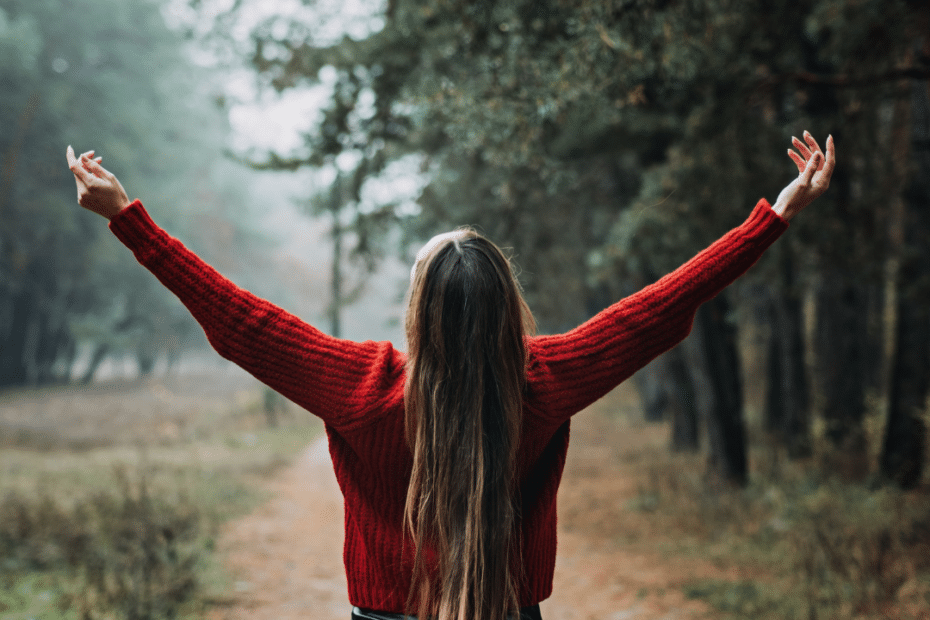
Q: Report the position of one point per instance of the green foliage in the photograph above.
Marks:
(20, 42)
(608, 141)
(125, 526)
(857, 549)
(125, 552)
(657, 121)
(743, 599)
(105, 75)
(827, 549)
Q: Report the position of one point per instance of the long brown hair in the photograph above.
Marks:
(466, 373)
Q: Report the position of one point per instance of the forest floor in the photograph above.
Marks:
(286, 556)
(639, 535)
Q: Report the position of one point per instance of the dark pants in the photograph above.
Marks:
(527, 613)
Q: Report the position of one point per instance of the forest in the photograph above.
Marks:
(604, 141)
(609, 141)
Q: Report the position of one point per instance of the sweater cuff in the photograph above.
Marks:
(764, 222)
(136, 230)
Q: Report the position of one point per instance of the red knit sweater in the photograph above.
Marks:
(357, 389)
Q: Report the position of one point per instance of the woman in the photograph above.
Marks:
(449, 457)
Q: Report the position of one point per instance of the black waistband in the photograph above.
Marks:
(526, 613)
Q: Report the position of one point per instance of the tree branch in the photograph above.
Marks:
(849, 81)
(274, 161)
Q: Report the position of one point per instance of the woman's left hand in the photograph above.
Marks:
(813, 179)
(98, 189)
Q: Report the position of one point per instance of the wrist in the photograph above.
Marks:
(781, 209)
(119, 209)
(121, 203)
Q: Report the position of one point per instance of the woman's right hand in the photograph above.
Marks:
(814, 172)
(98, 189)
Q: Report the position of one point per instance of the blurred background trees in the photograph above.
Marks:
(109, 75)
(605, 141)
(608, 141)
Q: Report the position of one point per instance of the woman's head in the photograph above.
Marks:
(466, 323)
(463, 282)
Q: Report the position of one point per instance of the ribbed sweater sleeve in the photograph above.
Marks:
(343, 382)
(567, 372)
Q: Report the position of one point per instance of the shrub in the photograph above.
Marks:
(124, 552)
(855, 550)
(832, 549)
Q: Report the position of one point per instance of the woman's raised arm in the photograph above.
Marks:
(344, 382)
(567, 372)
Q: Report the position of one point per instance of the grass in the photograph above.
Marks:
(123, 524)
(801, 541)
(109, 515)
(812, 545)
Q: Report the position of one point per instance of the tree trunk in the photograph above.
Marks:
(34, 332)
(650, 383)
(841, 328)
(60, 349)
(99, 354)
(787, 406)
(774, 408)
(681, 397)
(725, 427)
(903, 456)
(13, 369)
(876, 338)
(53, 336)
(273, 404)
(146, 359)
(336, 282)
(47, 348)
(68, 356)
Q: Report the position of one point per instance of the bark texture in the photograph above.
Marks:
(682, 402)
(903, 451)
(726, 430)
(787, 402)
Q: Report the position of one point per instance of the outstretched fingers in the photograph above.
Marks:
(831, 159)
(819, 167)
(798, 160)
(807, 149)
(802, 148)
(77, 167)
(94, 167)
(812, 165)
(87, 159)
(811, 142)
(72, 160)
(815, 170)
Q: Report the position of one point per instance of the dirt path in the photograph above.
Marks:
(287, 556)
